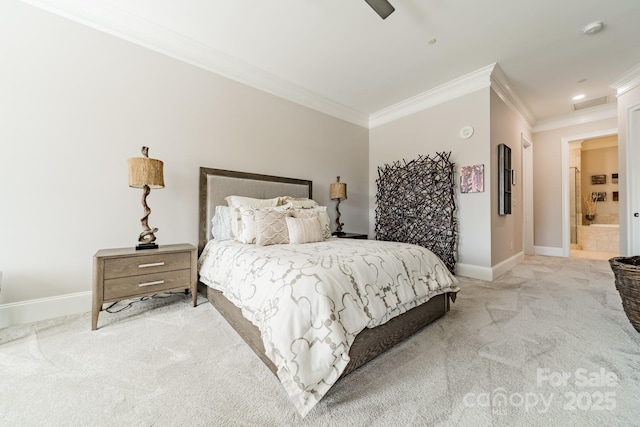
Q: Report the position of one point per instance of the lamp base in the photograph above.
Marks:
(143, 246)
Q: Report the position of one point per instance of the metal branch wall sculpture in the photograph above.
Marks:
(415, 204)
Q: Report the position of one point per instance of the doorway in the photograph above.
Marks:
(580, 185)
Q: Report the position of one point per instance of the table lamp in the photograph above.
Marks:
(146, 173)
(338, 191)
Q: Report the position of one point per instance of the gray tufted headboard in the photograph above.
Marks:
(216, 184)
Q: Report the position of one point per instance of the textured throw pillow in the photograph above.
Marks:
(271, 227)
(304, 230)
(247, 222)
(321, 213)
(221, 223)
(237, 202)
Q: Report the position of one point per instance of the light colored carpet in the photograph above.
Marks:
(497, 359)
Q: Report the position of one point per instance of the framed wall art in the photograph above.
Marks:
(472, 179)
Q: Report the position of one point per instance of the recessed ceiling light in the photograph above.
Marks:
(578, 97)
(590, 103)
(432, 41)
(593, 28)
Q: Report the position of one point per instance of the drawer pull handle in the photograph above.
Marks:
(153, 264)
(157, 282)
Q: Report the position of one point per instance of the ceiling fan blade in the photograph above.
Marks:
(382, 7)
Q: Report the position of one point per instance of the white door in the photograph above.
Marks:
(633, 182)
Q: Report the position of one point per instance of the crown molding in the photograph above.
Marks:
(456, 88)
(627, 81)
(500, 84)
(103, 16)
(592, 114)
(491, 75)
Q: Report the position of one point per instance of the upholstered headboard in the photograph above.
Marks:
(216, 184)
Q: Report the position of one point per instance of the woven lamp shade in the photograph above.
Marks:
(145, 171)
(338, 190)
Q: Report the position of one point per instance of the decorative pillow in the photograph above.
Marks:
(299, 202)
(304, 230)
(271, 227)
(247, 222)
(250, 202)
(246, 225)
(236, 202)
(221, 223)
(321, 213)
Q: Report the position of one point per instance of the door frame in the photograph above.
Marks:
(527, 194)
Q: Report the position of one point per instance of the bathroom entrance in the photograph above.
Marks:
(594, 198)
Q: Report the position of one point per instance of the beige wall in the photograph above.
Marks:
(507, 127)
(436, 130)
(547, 179)
(76, 103)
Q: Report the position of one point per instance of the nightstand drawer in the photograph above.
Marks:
(146, 264)
(127, 287)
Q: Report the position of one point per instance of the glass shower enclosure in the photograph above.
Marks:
(575, 205)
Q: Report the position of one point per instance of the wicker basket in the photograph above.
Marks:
(627, 272)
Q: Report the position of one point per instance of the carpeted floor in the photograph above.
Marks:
(547, 344)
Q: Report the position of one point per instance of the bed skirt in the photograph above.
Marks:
(368, 344)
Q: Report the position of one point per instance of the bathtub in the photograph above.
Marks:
(599, 237)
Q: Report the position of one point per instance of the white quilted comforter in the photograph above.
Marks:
(310, 301)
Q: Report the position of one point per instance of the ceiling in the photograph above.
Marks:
(344, 52)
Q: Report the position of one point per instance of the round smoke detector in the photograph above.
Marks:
(466, 132)
(593, 28)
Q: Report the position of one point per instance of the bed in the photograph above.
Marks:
(295, 275)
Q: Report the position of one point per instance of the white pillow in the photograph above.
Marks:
(304, 230)
(251, 202)
(247, 222)
(299, 202)
(321, 213)
(246, 225)
(221, 223)
(271, 227)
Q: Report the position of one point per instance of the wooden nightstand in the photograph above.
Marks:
(352, 236)
(127, 273)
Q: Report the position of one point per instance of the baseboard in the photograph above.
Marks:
(548, 251)
(506, 265)
(18, 313)
(489, 273)
(474, 272)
